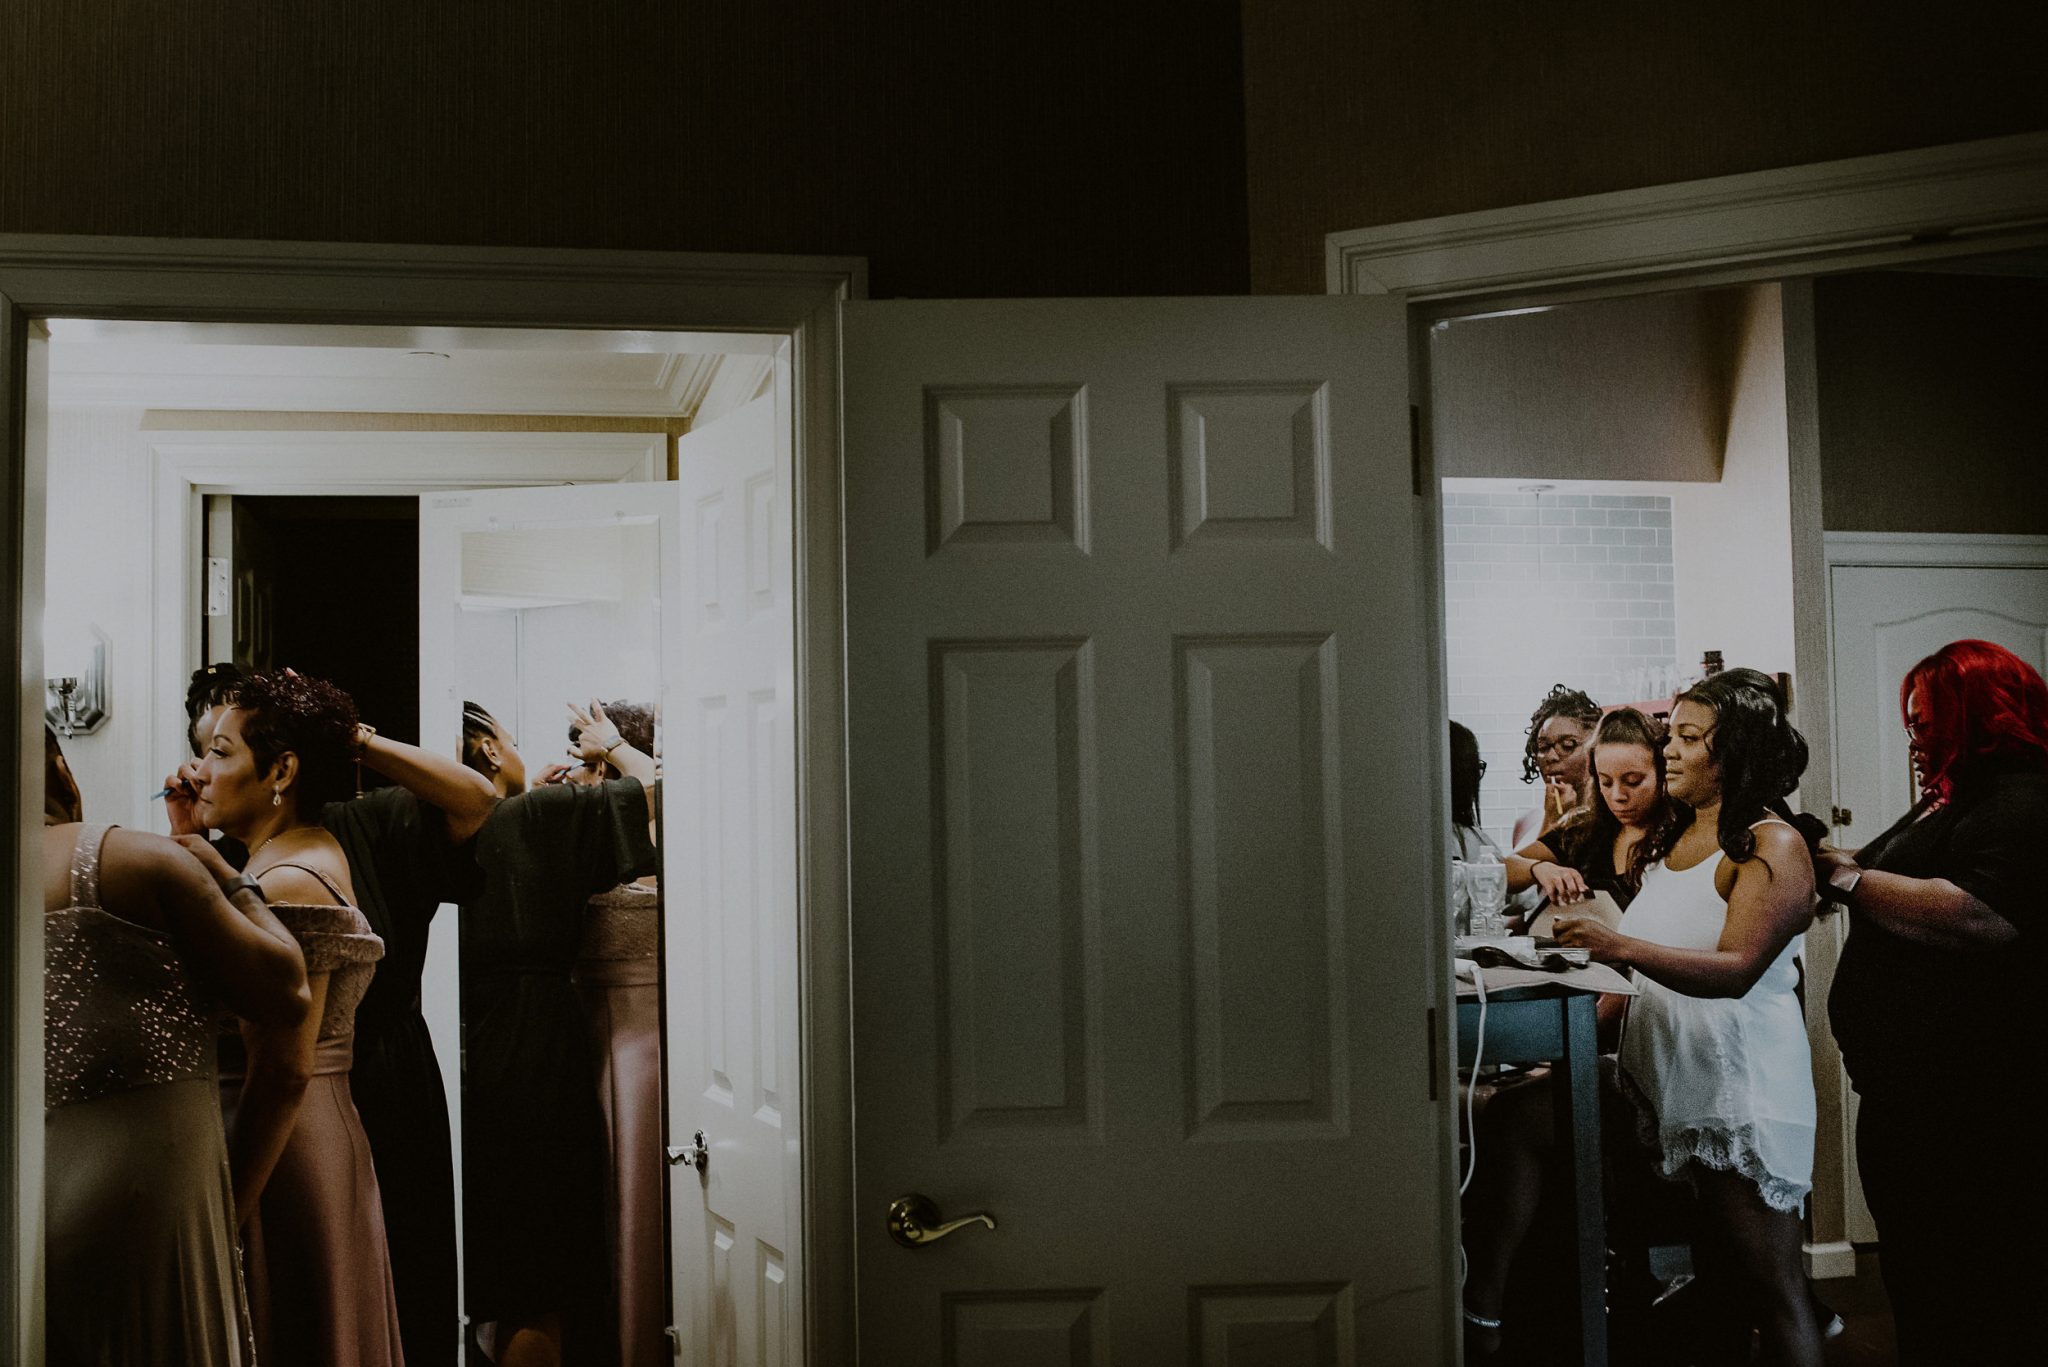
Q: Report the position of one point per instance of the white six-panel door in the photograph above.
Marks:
(1142, 820)
(732, 1040)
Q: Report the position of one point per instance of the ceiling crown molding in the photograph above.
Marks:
(1961, 191)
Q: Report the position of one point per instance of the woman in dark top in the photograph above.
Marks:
(1935, 1000)
(405, 848)
(1605, 846)
(1557, 750)
(534, 1150)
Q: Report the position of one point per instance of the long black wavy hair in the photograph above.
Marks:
(1761, 756)
(1560, 701)
(1467, 768)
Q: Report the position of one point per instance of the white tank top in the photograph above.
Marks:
(1730, 1080)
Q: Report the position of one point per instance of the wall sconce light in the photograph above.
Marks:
(77, 690)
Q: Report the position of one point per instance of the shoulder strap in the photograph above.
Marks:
(325, 881)
(85, 865)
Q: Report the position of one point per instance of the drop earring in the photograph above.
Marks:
(277, 797)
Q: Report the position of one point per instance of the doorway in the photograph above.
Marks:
(312, 582)
(288, 468)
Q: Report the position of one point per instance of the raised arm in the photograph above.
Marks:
(598, 741)
(1770, 902)
(462, 794)
(237, 948)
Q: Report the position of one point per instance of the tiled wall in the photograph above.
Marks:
(1544, 589)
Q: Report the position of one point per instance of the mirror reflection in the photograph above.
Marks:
(560, 976)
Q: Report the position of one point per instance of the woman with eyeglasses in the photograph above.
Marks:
(1605, 846)
(1557, 751)
(1715, 1042)
(1936, 994)
(1468, 841)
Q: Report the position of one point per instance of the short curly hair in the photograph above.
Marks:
(635, 721)
(308, 717)
(1560, 701)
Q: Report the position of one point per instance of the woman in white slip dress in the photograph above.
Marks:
(1716, 1040)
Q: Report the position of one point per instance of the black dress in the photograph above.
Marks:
(403, 868)
(534, 1147)
(1934, 1039)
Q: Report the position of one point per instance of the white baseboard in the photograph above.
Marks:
(1829, 1260)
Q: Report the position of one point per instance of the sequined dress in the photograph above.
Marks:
(141, 1265)
(319, 1267)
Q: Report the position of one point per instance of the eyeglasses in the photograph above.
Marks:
(1482, 768)
(1563, 749)
(1917, 728)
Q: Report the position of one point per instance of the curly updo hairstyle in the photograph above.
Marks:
(1560, 701)
(1760, 753)
(635, 721)
(309, 717)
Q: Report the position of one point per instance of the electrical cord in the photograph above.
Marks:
(1471, 1129)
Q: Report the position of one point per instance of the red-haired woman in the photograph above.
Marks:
(1933, 1003)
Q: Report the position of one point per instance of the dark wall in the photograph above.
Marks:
(1361, 113)
(1933, 402)
(1062, 147)
(966, 148)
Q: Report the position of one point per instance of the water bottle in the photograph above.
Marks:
(1487, 881)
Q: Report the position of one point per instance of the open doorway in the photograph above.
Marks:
(311, 581)
(1615, 497)
(252, 495)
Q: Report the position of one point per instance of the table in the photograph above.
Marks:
(1554, 1025)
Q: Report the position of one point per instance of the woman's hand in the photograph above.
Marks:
(209, 857)
(557, 772)
(1560, 800)
(1590, 933)
(1560, 884)
(181, 799)
(596, 734)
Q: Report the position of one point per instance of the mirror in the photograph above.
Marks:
(560, 943)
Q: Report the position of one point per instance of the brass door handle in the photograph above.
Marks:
(914, 1221)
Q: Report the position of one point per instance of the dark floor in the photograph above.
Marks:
(1866, 1339)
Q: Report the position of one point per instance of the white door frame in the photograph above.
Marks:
(1784, 225)
(259, 282)
(185, 466)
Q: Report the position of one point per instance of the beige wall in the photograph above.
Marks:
(1629, 389)
(1933, 402)
(1732, 539)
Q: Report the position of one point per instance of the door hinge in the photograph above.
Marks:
(1841, 816)
(1415, 448)
(1430, 1025)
